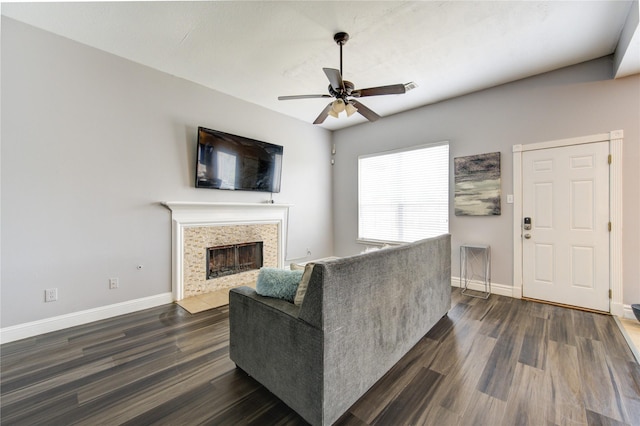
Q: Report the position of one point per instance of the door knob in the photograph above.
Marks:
(527, 236)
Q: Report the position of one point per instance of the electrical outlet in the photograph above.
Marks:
(51, 295)
(113, 283)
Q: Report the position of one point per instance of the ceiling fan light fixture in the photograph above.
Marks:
(338, 106)
(350, 109)
(332, 113)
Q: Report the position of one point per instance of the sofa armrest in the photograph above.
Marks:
(282, 352)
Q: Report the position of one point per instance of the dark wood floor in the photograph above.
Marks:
(500, 361)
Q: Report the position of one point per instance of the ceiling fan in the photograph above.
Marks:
(344, 91)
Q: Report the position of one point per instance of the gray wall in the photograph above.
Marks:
(91, 143)
(576, 101)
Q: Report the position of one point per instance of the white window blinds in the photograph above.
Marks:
(403, 196)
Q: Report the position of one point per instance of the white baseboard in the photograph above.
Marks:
(627, 312)
(30, 329)
(23, 331)
(501, 289)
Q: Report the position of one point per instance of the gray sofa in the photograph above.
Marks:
(360, 315)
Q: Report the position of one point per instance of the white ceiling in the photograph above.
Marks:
(259, 50)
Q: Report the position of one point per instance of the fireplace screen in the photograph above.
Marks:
(233, 259)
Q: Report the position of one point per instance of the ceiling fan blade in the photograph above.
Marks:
(286, 98)
(364, 111)
(324, 114)
(394, 89)
(335, 78)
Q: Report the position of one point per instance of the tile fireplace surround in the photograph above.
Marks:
(197, 226)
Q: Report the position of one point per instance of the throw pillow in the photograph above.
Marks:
(278, 283)
(296, 267)
(304, 283)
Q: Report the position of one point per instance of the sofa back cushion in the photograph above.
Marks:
(373, 308)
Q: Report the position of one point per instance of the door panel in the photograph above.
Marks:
(544, 205)
(581, 204)
(544, 266)
(566, 254)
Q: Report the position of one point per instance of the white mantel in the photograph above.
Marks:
(185, 214)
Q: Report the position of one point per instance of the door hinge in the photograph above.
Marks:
(610, 294)
(609, 226)
(610, 159)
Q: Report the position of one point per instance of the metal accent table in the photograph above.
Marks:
(475, 264)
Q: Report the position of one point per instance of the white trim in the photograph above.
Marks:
(517, 228)
(615, 216)
(186, 214)
(499, 289)
(600, 137)
(35, 328)
(409, 148)
(615, 139)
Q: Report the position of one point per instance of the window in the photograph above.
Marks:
(403, 195)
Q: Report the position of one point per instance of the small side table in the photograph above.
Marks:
(475, 265)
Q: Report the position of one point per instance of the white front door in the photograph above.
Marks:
(566, 251)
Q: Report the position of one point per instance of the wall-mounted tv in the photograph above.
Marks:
(227, 161)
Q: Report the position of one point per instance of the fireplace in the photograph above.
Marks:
(196, 227)
(233, 259)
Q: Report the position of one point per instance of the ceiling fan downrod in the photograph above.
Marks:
(341, 38)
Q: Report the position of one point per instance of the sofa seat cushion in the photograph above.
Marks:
(278, 283)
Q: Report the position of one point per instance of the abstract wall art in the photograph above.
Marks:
(477, 185)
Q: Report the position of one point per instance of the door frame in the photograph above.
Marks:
(615, 210)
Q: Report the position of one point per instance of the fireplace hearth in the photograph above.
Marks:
(233, 259)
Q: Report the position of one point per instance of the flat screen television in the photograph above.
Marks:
(227, 161)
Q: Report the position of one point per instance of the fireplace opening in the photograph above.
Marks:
(233, 259)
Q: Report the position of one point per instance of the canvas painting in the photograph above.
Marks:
(477, 185)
